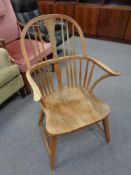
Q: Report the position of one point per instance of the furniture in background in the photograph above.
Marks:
(10, 78)
(10, 33)
(66, 95)
(108, 19)
(26, 10)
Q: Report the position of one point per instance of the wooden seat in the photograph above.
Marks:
(65, 95)
(71, 109)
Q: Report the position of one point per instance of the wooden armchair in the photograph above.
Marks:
(66, 95)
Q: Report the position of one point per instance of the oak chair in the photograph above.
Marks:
(66, 95)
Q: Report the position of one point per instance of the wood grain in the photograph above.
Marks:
(113, 21)
(87, 17)
(46, 7)
(99, 20)
(66, 9)
(72, 109)
(128, 30)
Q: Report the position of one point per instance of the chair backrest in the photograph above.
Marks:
(72, 67)
(9, 30)
(24, 5)
(25, 9)
(67, 24)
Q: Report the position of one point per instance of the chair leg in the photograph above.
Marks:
(22, 92)
(41, 118)
(26, 83)
(52, 152)
(106, 128)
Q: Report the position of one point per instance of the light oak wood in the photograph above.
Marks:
(72, 109)
(65, 95)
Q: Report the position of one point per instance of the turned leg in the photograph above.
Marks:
(52, 152)
(106, 128)
(41, 118)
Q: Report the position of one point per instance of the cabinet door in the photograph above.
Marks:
(113, 21)
(128, 30)
(87, 17)
(66, 9)
(46, 8)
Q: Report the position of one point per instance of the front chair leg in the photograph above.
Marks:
(52, 152)
(106, 128)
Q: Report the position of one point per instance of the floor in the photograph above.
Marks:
(86, 152)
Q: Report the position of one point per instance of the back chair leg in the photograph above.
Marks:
(52, 152)
(22, 92)
(26, 83)
(106, 128)
(41, 117)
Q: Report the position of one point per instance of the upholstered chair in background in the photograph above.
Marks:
(10, 33)
(10, 78)
(26, 10)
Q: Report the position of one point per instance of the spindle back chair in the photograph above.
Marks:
(65, 95)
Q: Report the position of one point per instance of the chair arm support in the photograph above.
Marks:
(36, 91)
(106, 75)
(104, 67)
(5, 58)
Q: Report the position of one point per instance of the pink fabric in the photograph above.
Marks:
(15, 51)
(2, 9)
(9, 30)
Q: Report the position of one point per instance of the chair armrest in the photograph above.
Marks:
(109, 72)
(3, 45)
(36, 91)
(12, 59)
(104, 67)
(4, 58)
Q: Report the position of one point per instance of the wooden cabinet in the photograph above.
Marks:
(59, 8)
(102, 19)
(87, 17)
(128, 30)
(113, 21)
(66, 9)
(46, 7)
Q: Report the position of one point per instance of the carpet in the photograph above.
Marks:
(86, 152)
